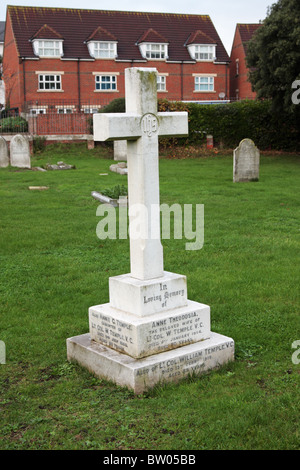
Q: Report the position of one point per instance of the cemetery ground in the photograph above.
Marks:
(53, 268)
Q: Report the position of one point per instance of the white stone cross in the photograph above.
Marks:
(140, 126)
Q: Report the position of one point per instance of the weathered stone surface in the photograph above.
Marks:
(152, 334)
(120, 150)
(119, 168)
(148, 297)
(4, 155)
(20, 152)
(142, 374)
(149, 332)
(246, 159)
(60, 166)
(141, 126)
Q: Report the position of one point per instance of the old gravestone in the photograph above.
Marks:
(120, 150)
(20, 152)
(149, 332)
(4, 158)
(246, 162)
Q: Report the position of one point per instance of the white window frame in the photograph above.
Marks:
(90, 109)
(48, 47)
(203, 81)
(37, 111)
(203, 52)
(154, 50)
(107, 80)
(103, 49)
(56, 83)
(161, 83)
(65, 109)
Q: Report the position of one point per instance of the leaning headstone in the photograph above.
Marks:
(120, 150)
(4, 158)
(20, 152)
(246, 162)
(149, 332)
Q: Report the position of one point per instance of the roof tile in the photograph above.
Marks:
(75, 25)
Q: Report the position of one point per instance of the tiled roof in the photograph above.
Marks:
(46, 32)
(247, 31)
(2, 30)
(152, 36)
(75, 26)
(198, 37)
(100, 34)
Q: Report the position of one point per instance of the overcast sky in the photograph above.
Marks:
(224, 13)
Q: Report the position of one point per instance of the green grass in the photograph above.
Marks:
(53, 268)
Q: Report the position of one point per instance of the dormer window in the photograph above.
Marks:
(201, 47)
(45, 48)
(205, 52)
(156, 51)
(153, 46)
(103, 50)
(202, 52)
(102, 44)
(47, 42)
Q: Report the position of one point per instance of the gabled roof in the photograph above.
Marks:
(247, 31)
(2, 30)
(75, 26)
(100, 34)
(199, 37)
(152, 36)
(46, 32)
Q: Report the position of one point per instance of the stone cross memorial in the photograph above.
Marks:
(246, 162)
(149, 332)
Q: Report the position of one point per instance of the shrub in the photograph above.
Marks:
(115, 192)
(13, 125)
(39, 143)
(229, 124)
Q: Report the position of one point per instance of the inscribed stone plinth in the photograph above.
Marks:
(20, 152)
(4, 158)
(246, 162)
(149, 332)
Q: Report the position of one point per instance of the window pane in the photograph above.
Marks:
(49, 82)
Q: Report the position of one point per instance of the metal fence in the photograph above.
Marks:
(11, 122)
(65, 117)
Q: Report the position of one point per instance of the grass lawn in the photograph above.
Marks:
(53, 268)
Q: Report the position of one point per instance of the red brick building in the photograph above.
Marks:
(76, 59)
(240, 87)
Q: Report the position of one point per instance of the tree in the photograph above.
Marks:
(273, 56)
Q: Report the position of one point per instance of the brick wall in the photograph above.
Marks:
(239, 81)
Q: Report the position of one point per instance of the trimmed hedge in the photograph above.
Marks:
(230, 123)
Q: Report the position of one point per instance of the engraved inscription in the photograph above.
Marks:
(193, 363)
(149, 124)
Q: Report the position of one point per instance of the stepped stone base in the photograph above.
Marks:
(142, 374)
(144, 336)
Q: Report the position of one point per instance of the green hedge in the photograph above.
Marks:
(230, 123)
(13, 125)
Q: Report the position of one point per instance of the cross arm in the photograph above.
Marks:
(116, 126)
(174, 123)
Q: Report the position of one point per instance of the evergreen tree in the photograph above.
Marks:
(273, 57)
